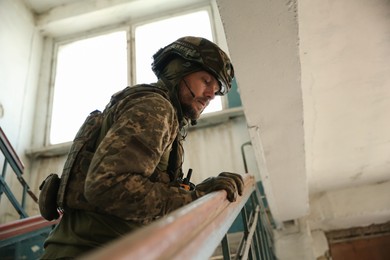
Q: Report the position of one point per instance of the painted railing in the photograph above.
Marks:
(192, 232)
(10, 232)
(23, 239)
(195, 231)
(12, 159)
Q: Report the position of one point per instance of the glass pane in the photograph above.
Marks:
(233, 96)
(149, 38)
(88, 72)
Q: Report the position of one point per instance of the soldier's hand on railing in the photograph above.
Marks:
(232, 183)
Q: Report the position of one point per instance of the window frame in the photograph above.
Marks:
(129, 27)
(56, 45)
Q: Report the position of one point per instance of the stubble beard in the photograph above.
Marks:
(186, 102)
(189, 112)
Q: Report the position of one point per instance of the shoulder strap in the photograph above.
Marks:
(128, 91)
(136, 89)
(85, 138)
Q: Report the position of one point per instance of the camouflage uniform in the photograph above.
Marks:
(130, 164)
(128, 184)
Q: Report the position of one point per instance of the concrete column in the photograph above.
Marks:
(263, 42)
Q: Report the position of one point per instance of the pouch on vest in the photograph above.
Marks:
(47, 200)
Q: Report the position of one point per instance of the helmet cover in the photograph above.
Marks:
(201, 51)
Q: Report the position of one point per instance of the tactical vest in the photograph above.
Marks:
(95, 127)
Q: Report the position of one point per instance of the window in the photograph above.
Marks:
(89, 71)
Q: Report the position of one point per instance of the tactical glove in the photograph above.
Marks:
(232, 183)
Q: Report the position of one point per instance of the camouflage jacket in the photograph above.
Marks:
(128, 175)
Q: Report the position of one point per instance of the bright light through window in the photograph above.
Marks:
(149, 38)
(88, 72)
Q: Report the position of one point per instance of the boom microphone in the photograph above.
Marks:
(193, 121)
(192, 93)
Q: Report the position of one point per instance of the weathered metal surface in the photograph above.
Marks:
(191, 232)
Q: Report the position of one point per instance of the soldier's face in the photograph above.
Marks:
(196, 90)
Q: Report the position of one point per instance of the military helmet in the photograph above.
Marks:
(202, 52)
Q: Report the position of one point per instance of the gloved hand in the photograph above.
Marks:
(232, 183)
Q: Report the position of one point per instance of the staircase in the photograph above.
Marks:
(21, 239)
(12, 159)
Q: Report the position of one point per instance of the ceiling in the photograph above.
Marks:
(43, 6)
(332, 124)
(65, 17)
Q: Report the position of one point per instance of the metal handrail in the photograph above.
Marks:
(8, 150)
(191, 232)
(17, 166)
(22, 226)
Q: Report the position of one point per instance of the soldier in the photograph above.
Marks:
(132, 174)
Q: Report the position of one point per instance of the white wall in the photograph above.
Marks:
(263, 42)
(20, 55)
(344, 48)
(344, 52)
(337, 53)
(212, 150)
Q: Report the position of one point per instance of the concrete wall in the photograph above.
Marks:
(344, 52)
(263, 42)
(336, 54)
(20, 56)
(215, 149)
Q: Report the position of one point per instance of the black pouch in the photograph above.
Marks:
(48, 197)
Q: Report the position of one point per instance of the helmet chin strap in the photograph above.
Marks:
(193, 121)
